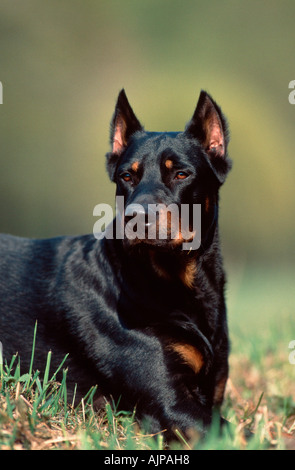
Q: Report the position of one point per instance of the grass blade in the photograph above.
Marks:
(47, 368)
(32, 356)
(1, 365)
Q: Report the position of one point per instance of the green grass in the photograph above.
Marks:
(35, 412)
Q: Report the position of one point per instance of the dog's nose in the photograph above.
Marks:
(133, 210)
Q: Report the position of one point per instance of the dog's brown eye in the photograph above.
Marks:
(126, 176)
(181, 175)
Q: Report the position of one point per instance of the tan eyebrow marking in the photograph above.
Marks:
(169, 164)
(135, 166)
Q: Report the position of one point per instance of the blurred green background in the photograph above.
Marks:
(62, 64)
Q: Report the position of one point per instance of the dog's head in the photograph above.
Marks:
(161, 175)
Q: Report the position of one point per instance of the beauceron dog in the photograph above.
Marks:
(140, 316)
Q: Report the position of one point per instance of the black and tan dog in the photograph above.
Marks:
(142, 318)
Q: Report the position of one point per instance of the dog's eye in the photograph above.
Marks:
(181, 175)
(126, 176)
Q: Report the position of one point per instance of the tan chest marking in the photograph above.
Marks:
(190, 355)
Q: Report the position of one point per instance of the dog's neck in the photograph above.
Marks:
(171, 267)
(173, 264)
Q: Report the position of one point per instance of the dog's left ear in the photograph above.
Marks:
(123, 125)
(208, 125)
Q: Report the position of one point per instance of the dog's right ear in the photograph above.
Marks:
(123, 125)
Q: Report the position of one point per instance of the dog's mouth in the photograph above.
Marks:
(156, 225)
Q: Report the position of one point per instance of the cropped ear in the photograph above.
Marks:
(124, 123)
(208, 125)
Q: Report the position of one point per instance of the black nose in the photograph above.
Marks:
(141, 210)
